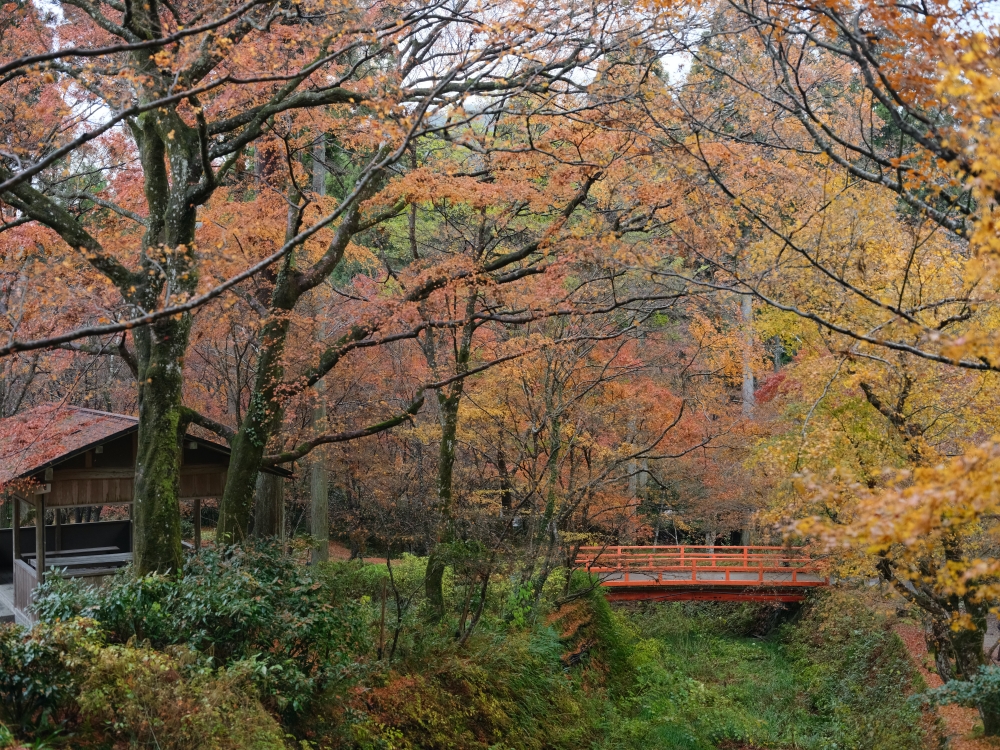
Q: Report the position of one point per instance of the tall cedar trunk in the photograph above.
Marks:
(319, 515)
(746, 317)
(269, 509)
(319, 497)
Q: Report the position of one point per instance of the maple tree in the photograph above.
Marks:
(133, 136)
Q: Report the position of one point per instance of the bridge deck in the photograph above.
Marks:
(753, 573)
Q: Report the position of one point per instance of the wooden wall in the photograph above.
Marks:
(73, 487)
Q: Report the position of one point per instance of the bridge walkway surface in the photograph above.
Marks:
(703, 572)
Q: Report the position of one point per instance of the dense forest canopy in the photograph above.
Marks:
(498, 280)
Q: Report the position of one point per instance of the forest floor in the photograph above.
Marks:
(961, 725)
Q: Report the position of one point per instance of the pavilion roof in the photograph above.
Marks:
(39, 437)
(45, 435)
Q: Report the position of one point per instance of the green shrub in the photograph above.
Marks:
(984, 687)
(231, 605)
(37, 671)
(62, 676)
(505, 691)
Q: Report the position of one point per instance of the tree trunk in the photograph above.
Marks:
(448, 418)
(990, 712)
(157, 540)
(269, 510)
(319, 166)
(434, 586)
(969, 659)
(265, 412)
(319, 496)
(506, 489)
(319, 516)
(434, 577)
(262, 420)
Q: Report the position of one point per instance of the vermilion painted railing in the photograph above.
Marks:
(701, 565)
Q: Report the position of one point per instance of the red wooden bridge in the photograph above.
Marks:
(691, 572)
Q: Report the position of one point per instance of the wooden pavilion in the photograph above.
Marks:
(58, 457)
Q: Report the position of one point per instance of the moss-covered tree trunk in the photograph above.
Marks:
(169, 266)
(157, 518)
(263, 418)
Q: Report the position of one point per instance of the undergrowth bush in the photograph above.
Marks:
(152, 699)
(508, 691)
(61, 681)
(209, 658)
(229, 606)
(38, 672)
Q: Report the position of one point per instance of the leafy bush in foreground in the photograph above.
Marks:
(62, 679)
(37, 680)
(241, 604)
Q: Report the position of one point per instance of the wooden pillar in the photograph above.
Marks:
(16, 527)
(40, 538)
(57, 518)
(197, 525)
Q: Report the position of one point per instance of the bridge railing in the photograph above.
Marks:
(684, 556)
(686, 564)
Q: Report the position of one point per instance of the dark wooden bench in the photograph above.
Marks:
(50, 553)
(72, 562)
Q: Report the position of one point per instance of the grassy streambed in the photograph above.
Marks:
(701, 677)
